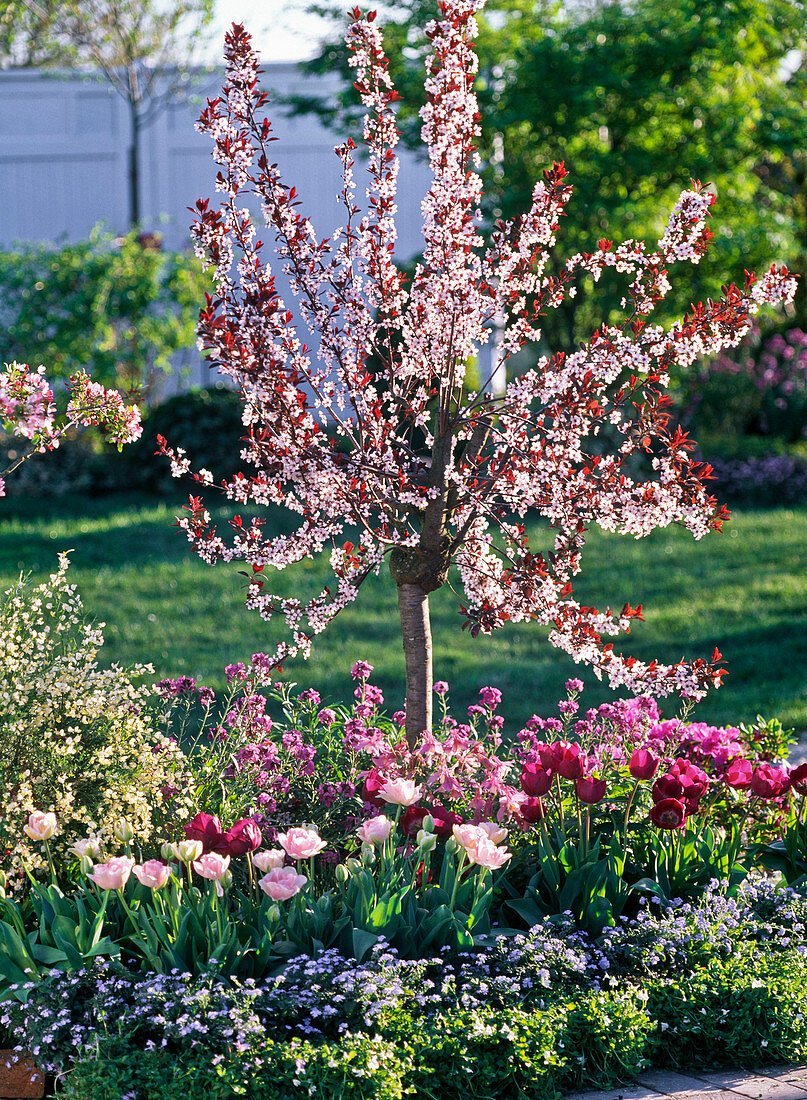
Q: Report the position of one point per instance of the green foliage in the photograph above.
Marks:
(119, 308)
(736, 1012)
(637, 99)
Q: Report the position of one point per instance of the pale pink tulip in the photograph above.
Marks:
(400, 792)
(41, 826)
(112, 875)
(89, 848)
(153, 873)
(376, 830)
(282, 883)
(269, 860)
(213, 866)
(468, 836)
(494, 830)
(486, 854)
(301, 843)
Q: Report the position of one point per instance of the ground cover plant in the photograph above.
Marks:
(257, 890)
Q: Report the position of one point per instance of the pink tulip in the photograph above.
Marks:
(376, 830)
(153, 873)
(486, 854)
(112, 875)
(301, 843)
(496, 833)
(41, 826)
(643, 764)
(400, 792)
(213, 866)
(738, 774)
(769, 782)
(282, 883)
(269, 860)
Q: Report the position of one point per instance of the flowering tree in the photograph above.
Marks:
(429, 473)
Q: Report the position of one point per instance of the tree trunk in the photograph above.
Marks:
(134, 169)
(413, 603)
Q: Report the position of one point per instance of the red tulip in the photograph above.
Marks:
(535, 780)
(590, 790)
(643, 764)
(532, 810)
(668, 813)
(245, 836)
(769, 782)
(550, 755)
(208, 829)
(738, 774)
(444, 820)
(667, 786)
(573, 762)
(798, 779)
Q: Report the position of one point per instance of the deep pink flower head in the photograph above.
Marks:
(591, 790)
(535, 780)
(491, 697)
(574, 685)
(326, 716)
(738, 774)
(373, 782)
(668, 813)
(440, 688)
(208, 829)
(643, 764)
(245, 836)
(361, 670)
(768, 781)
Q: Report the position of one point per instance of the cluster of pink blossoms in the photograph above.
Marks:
(27, 409)
(419, 462)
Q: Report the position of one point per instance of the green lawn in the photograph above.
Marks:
(744, 591)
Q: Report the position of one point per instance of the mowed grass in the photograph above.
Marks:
(744, 591)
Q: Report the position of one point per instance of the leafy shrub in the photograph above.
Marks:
(74, 738)
(118, 307)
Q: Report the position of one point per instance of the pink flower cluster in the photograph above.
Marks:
(27, 409)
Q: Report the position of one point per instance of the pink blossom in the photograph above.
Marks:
(213, 866)
(153, 873)
(376, 830)
(301, 843)
(269, 860)
(41, 826)
(400, 792)
(114, 874)
(440, 688)
(282, 883)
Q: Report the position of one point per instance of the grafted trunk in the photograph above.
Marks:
(413, 604)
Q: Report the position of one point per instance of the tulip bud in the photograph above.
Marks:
(123, 831)
(341, 873)
(189, 850)
(353, 865)
(169, 852)
(427, 824)
(85, 864)
(273, 916)
(426, 841)
(367, 855)
(452, 847)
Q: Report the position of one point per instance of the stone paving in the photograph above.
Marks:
(777, 1083)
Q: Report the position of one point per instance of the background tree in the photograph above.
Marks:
(641, 96)
(425, 472)
(144, 48)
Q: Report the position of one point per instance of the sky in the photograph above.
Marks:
(281, 31)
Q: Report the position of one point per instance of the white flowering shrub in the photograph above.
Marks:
(75, 739)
